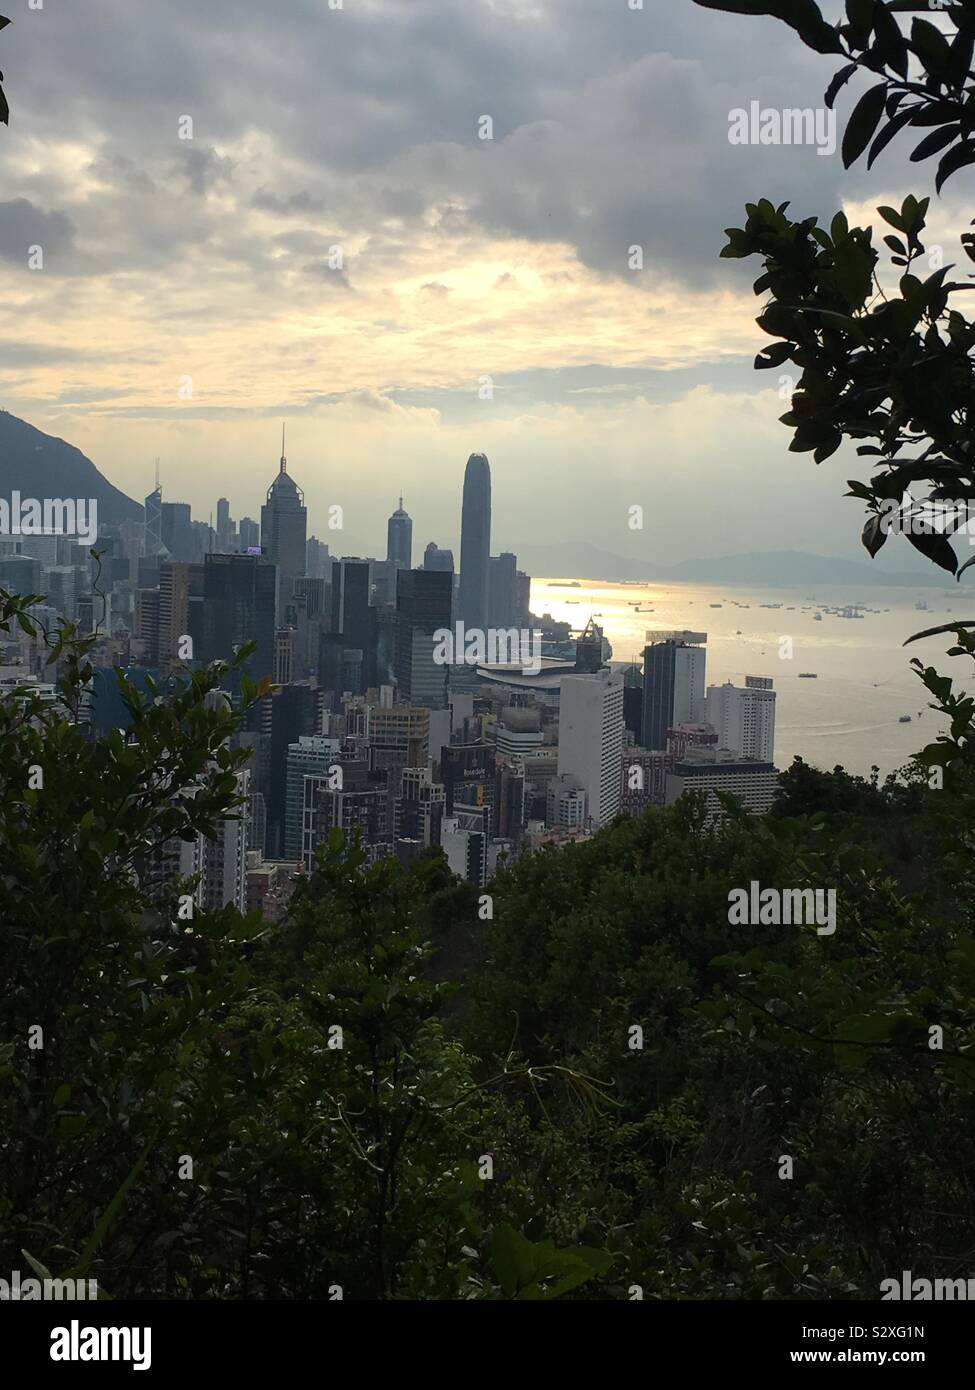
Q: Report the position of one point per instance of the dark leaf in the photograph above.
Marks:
(936, 549)
(936, 631)
(895, 124)
(953, 161)
(863, 121)
(934, 142)
(840, 80)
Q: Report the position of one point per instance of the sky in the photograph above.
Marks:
(256, 211)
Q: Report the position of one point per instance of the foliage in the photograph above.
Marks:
(885, 356)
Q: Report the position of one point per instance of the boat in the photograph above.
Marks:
(715, 605)
(738, 632)
(817, 617)
(904, 719)
(808, 676)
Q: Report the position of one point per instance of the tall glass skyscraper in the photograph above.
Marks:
(475, 543)
(399, 538)
(284, 529)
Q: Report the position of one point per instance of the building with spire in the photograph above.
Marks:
(399, 539)
(284, 528)
(475, 543)
(153, 515)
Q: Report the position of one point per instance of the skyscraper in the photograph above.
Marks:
(153, 514)
(673, 684)
(422, 607)
(176, 527)
(238, 607)
(591, 739)
(284, 526)
(436, 559)
(475, 543)
(503, 590)
(744, 719)
(399, 538)
(226, 530)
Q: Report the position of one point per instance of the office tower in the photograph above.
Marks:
(468, 774)
(248, 534)
(518, 731)
(146, 623)
(291, 713)
(177, 530)
(673, 684)
(399, 538)
(239, 606)
(591, 739)
(509, 799)
(353, 621)
(316, 558)
(313, 590)
(226, 535)
(181, 602)
(312, 754)
(203, 540)
(86, 613)
(420, 806)
(423, 603)
(475, 543)
(153, 520)
(284, 524)
(398, 736)
(753, 784)
(523, 595)
(503, 590)
(633, 703)
(256, 822)
(219, 859)
(565, 802)
(359, 806)
(20, 574)
(284, 656)
(464, 840)
(436, 559)
(644, 779)
(223, 856)
(744, 718)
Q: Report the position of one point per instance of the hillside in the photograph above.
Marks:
(39, 465)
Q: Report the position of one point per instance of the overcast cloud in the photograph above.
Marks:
(350, 135)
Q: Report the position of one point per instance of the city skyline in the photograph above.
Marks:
(484, 298)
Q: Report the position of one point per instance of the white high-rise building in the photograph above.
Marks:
(744, 718)
(591, 739)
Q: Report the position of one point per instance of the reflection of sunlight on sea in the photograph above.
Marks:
(850, 713)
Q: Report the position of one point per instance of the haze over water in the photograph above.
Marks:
(850, 713)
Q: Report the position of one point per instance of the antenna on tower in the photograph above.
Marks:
(157, 475)
(284, 461)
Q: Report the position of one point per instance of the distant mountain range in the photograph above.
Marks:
(39, 465)
(775, 568)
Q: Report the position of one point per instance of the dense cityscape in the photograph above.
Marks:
(400, 704)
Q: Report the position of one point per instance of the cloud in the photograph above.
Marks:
(22, 226)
